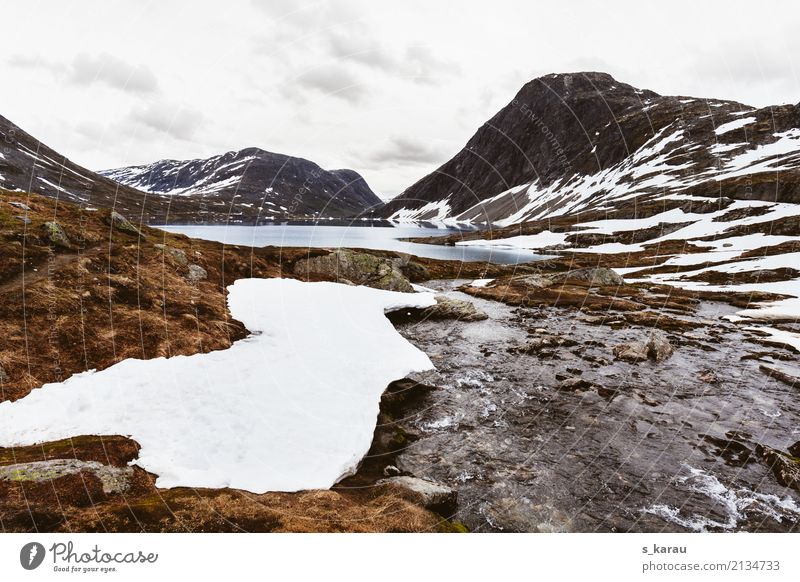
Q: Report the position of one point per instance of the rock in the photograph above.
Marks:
(196, 273)
(539, 344)
(781, 376)
(122, 224)
(3, 376)
(177, 254)
(359, 268)
(599, 276)
(24, 219)
(20, 205)
(538, 281)
(431, 495)
(391, 471)
(794, 449)
(416, 272)
(55, 234)
(575, 385)
(785, 468)
(449, 308)
(657, 348)
(520, 515)
(114, 479)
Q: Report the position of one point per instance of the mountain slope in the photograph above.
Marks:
(253, 184)
(571, 143)
(27, 165)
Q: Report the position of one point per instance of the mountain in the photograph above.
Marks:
(570, 143)
(28, 165)
(252, 184)
(242, 186)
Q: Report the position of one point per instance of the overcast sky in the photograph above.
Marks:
(389, 88)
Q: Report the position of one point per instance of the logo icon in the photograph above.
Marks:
(31, 555)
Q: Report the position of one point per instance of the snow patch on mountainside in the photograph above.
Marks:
(291, 407)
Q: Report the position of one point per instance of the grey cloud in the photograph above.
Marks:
(31, 62)
(427, 67)
(175, 122)
(335, 81)
(112, 72)
(356, 46)
(401, 150)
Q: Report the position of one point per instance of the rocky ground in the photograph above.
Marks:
(606, 414)
(564, 398)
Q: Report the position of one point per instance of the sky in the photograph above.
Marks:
(389, 89)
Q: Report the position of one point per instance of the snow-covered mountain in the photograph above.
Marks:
(570, 143)
(253, 184)
(698, 194)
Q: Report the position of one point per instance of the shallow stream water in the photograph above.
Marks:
(646, 451)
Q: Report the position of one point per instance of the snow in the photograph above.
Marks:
(735, 124)
(778, 335)
(481, 282)
(529, 241)
(441, 209)
(721, 148)
(611, 248)
(291, 407)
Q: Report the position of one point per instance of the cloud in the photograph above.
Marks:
(426, 67)
(333, 80)
(357, 46)
(400, 150)
(112, 72)
(32, 62)
(169, 120)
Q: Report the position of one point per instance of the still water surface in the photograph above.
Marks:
(363, 237)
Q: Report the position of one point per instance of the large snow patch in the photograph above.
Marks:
(291, 407)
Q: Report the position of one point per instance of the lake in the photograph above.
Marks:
(354, 236)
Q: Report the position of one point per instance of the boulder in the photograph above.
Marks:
(794, 449)
(656, 347)
(122, 224)
(353, 267)
(55, 235)
(178, 255)
(114, 479)
(196, 273)
(20, 205)
(595, 276)
(416, 272)
(449, 308)
(431, 495)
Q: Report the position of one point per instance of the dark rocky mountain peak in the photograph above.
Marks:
(578, 141)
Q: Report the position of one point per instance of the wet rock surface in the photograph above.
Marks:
(539, 428)
(432, 495)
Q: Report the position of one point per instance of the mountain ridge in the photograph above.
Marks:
(260, 183)
(308, 191)
(566, 142)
